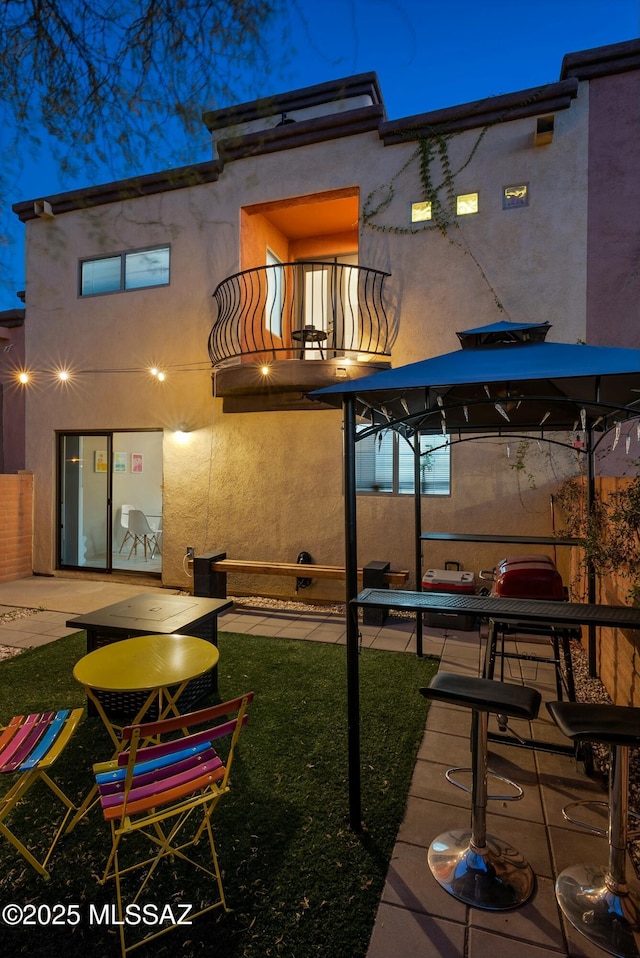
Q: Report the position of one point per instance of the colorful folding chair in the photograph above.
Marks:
(167, 791)
(29, 745)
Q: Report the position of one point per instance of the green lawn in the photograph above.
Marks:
(300, 882)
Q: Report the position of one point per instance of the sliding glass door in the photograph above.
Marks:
(84, 534)
(101, 477)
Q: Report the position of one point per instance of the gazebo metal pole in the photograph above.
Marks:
(591, 572)
(351, 569)
(418, 528)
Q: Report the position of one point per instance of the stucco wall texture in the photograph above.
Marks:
(265, 485)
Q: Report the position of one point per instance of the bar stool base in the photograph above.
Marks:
(611, 921)
(495, 877)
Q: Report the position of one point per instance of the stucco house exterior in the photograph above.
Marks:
(192, 310)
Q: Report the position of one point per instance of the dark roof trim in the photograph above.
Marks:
(363, 84)
(130, 188)
(302, 133)
(602, 61)
(12, 317)
(468, 116)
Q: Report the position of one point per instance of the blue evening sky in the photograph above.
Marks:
(428, 54)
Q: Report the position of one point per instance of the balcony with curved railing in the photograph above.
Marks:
(294, 327)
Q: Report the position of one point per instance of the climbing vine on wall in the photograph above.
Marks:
(437, 187)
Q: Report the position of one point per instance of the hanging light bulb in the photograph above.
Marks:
(439, 400)
(583, 419)
(502, 411)
(403, 403)
(465, 410)
(544, 418)
(488, 392)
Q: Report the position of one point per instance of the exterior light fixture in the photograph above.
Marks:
(265, 370)
(63, 375)
(161, 377)
(23, 378)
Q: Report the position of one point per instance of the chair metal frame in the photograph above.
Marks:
(155, 789)
(29, 745)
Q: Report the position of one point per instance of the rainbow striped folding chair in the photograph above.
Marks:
(167, 792)
(29, 745)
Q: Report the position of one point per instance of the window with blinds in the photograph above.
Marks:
(384, 464)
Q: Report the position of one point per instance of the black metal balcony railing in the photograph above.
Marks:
(302, 310)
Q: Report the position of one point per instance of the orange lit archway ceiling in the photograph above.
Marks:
(319, 214)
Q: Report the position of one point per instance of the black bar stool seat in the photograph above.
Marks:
(473, 866)
(597, 899)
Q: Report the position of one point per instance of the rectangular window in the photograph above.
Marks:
(385, 464)
(135, 270)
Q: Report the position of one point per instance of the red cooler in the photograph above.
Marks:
(453, 583)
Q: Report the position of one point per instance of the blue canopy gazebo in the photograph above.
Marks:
(506, 380)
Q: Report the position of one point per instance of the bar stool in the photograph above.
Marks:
(471, 865)
(597, 899)
(560, 636)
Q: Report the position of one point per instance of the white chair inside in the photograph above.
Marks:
(142, 534)
(124, 522)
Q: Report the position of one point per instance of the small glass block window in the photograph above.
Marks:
(420, 211)
(515, 196)
(466, 204)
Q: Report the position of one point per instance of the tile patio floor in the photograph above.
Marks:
(416, 918)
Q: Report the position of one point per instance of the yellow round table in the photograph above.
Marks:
(160, 665)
